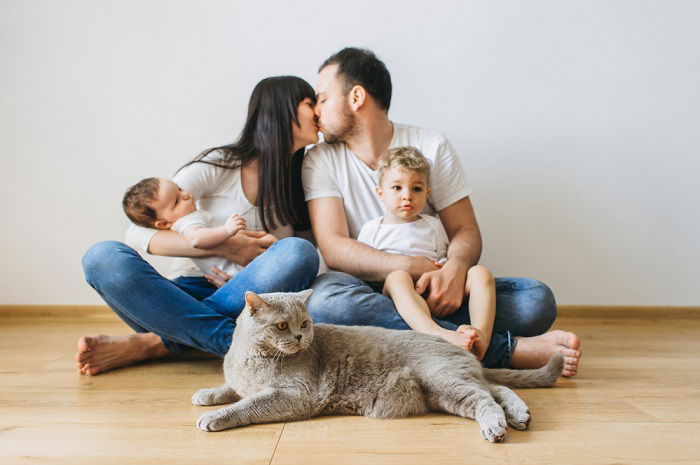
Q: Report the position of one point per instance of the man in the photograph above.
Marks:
(339, 175)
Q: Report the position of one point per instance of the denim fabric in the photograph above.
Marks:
(524, 307)
(190, 312)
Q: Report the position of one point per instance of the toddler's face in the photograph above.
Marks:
(172, 204)
(403, 193)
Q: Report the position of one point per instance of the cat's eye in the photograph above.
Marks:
(305, 324)
(282, 325)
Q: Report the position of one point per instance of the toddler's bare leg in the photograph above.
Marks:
(481, 289)
(414, 310)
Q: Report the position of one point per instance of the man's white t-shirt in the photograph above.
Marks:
(332, 170)
(216, 190)
(204, 219)
(425, 237)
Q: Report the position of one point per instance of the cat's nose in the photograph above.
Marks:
(298, 337)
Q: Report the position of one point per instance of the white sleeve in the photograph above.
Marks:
(317, 176)
(200, 179)
(194, 219)
(441, 239)
(447, 181)
(368, 231)
(138, 237)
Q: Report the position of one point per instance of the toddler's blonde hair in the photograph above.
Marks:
(404, 158)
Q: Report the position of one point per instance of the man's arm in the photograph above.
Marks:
(341, 253)
(447, 285)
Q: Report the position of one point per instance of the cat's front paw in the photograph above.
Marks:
(204, 397)
(518, 418)
(211, 421)
(494, 429)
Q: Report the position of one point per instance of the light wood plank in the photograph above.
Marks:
(635, 400)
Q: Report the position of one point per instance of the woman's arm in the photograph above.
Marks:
(239, 249)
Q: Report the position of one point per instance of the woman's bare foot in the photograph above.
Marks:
(535, 352)
(102, 353)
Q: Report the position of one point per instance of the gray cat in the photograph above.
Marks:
(281, 367)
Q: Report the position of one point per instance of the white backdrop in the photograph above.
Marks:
(578, 123)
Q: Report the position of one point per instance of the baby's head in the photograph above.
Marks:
(157, 203)
(403, 182)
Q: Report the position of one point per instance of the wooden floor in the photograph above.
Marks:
(636, 400)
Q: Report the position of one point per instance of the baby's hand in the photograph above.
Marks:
(234, 224)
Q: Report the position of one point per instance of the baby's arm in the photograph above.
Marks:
(204, 238)
(481, 288)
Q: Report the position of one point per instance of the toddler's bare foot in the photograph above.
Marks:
(478, 344)
(459, 338)
(472, 335)
(102, 353)
(535, 352)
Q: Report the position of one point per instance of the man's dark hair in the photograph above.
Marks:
(357, 66)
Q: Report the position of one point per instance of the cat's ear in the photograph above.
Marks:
(254, 302)
(305, 295)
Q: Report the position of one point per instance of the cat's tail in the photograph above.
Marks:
(540, 377)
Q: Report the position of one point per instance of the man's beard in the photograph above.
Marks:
(344, 130)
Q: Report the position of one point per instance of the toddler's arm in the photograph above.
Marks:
(204, 238)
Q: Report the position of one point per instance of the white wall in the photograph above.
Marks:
(577, 122)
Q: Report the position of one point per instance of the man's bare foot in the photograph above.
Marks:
(102, 353)
(535, 352)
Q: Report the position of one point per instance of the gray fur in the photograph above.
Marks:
(300, 372)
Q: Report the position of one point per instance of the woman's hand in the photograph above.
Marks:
(217, 277)
(242, 248)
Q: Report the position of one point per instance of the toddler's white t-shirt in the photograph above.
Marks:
(424, 237)
(204, 219)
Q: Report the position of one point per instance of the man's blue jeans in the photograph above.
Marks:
(524, 307)
(190, 312)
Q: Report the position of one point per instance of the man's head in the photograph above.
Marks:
(157, 203)
(403, 182)
(350, 80)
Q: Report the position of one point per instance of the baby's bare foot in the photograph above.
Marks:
(535, 352)
(103, 353)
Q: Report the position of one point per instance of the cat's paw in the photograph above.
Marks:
(204, 397)
(518, 418)
(211, 421)
(494, 429)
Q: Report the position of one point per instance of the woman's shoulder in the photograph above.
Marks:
(207, 172)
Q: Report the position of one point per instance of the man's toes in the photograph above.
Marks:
(570, 353)
(572, 340)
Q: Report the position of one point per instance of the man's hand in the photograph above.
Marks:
(242, 248)
(446, 286)
(417, 266)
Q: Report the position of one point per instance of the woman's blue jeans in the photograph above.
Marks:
(191, 312)
(524, 307)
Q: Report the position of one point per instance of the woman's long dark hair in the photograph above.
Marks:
(267, 137)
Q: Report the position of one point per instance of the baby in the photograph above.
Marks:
(403, 188)
(161, 204)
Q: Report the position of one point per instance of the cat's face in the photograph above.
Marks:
(279, 323)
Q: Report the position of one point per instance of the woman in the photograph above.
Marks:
(258, 177)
